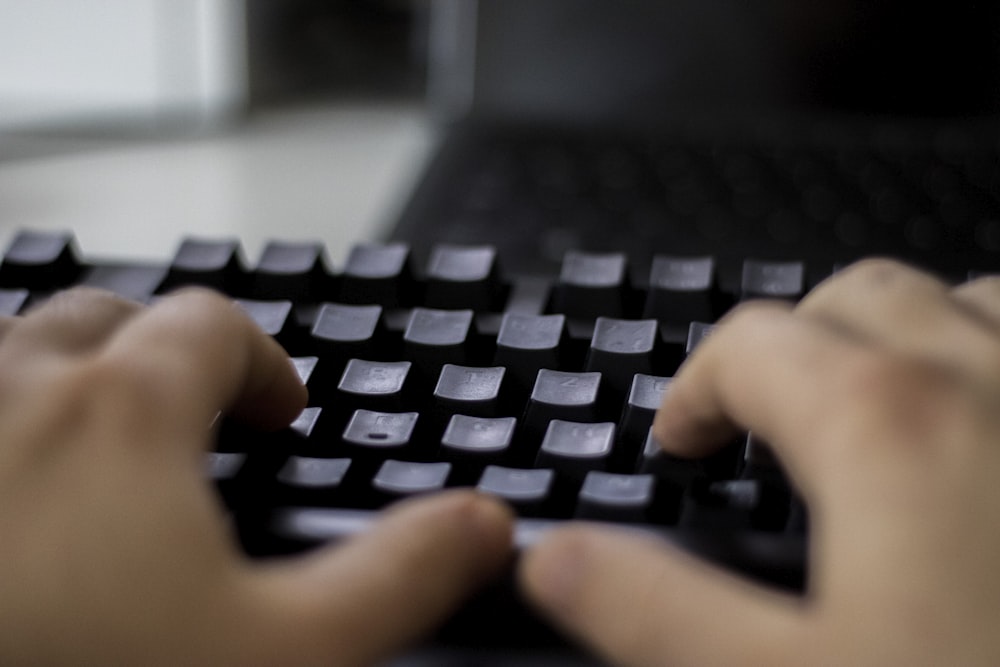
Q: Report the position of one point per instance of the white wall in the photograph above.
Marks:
(69, 60)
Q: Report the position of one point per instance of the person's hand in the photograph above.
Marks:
(113, 548)
(881, 394)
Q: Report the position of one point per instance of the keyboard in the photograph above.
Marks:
(538, 390)
(828, 193)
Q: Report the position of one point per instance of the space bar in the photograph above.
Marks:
(774, 558)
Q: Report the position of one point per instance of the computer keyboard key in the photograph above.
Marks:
(304, 432)
(226, 472)
(682, 290)
(371, 436)
(294, 271)
(591, 285)
(378, 274)
(773, 280)
(620, 498)
(40, 261)
(654, 461)
(644, 399)
(12, 301)
(468, 390)
(436, 337)
(210, 263)
(463, 277)
(531, 492)
(560, 395)
(310, 481)
(529, 342)
(619, 349)
(138, 282)
(477, 439)
(573, 449)
(343, 332)
(697, 333)
(273, 317)
(734, 505)
(398, 479)
(372, 385)
(760, 461)
(305, 368)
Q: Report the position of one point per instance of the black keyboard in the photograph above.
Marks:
(827, 192)
(453, 372)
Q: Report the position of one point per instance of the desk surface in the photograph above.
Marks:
(337, 174)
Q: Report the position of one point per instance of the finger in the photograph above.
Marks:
(763, 369)
(982, 296)
(74, 321)
(196, 353)
(355, 604)
(639, 602)
(904, 310)
(6, 324)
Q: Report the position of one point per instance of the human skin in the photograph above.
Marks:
(880, 393)
(114, 550)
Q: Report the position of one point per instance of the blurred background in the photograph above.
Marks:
(137, 121)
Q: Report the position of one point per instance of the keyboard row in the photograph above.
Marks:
(675, 289)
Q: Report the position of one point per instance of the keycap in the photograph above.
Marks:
(398, 479)
(734, 505)
(372, 436)
(697, 332)
(526, 343)
(591, 285)
(305, 368)
(311, 481)
(40, 261)
(619, 349)
(225, 471)
(372, 385)
(644, 399)
(468, 391)
(773, 280)
(573, 449)
(208, 262)
(682, 290)
(760, 462)
(436, 337)
(477, 439)
(12, 301)
(137, 282)
(622, 498)
(293, 271)
(273, 317)
(342, 332)
(305, 435)
(378, 274)
(462, 277)
(531, 492)
(654, 461)
(560, 395)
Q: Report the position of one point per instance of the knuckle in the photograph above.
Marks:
(891, 397)
(81, 299)
(754, 314)
(876, 271)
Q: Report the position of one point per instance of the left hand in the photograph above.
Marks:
(113, 548)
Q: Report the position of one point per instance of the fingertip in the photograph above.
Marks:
(475, 521)
(549, 573)
(363, 599)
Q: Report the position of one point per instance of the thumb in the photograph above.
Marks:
(360, 601)
(639, 601)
